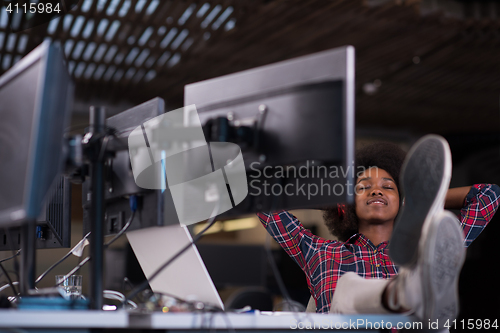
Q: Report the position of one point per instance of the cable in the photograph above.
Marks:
(229, 325)
(12, 273)
(16, 262)
(210, 320)
(177, 298)
(73, 271)
(77, 246)
(10, 283)
(111, 132)
(104, 144)
(279, 279)
(115, 295)
(274, 267)
(112, 294)
(145, 283)
(156, 298)
(133, 206)
(134, 305)
(7, 285)
(14, 255)
(8, 279)
(122, 231)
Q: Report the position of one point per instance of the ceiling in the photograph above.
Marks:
(421, 65)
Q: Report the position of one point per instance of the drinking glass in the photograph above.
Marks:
(72, 285)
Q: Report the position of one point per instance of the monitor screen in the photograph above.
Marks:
(120, 183)
(36, 94)
(16, 135)
(300, 114)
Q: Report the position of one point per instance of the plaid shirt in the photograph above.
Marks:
(324, 261)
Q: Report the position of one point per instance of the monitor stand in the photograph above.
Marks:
(28, 258)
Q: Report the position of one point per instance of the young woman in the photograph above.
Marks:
(364, 229)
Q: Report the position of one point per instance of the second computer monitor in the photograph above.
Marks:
(155, 207)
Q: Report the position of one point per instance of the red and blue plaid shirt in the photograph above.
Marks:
(324, 261)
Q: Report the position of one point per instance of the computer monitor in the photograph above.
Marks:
(300, 114)
(35, 94)
(53, 225)
(120, 183)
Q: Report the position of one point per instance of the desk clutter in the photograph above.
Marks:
(240, 115)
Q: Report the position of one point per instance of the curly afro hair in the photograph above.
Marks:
(387, 156)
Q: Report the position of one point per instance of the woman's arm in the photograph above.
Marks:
(480, 205)
(455, 198)
(298, 242)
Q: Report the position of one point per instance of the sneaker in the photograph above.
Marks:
(430, 288)
(424, 181)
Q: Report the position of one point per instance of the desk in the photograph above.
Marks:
(83, 321)
(62, 319)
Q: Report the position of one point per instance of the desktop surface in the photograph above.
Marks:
(127, 320)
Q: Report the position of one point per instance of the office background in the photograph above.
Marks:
(422, 66)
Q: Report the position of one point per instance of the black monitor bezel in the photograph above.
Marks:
(237, 93)
(40, 176)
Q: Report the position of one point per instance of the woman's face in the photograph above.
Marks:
(377, 197)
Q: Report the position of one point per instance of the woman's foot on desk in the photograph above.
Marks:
(424, 181)
(430, 288)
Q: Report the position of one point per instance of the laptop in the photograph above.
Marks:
(186, 277)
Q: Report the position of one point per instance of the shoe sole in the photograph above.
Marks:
(442, 256)
(424, 181)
